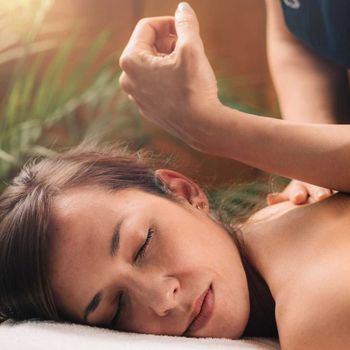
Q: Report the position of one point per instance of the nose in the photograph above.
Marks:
(157, 292)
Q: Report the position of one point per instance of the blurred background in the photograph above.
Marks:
(59, 78)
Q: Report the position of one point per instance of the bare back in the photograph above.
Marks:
(303, 253)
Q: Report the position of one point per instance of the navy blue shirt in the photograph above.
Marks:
(322, 25)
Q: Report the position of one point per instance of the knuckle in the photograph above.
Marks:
(124, 82)
(122, 60)
(146, 21)
(126, 62)
(143, 22)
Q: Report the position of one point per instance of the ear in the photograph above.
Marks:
(184, 188)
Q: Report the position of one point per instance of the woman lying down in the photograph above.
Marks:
(99, 237)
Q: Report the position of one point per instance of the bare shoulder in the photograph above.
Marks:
(316, 316)
(270, 212)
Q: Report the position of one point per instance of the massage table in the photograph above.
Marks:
(50, 335)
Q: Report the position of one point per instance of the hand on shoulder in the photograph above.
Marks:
(298, 192)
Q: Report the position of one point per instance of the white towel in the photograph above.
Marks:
(56, 336)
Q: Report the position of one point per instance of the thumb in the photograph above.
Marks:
(186, 22)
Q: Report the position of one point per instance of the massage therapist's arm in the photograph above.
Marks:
(309, 89)
(175, 87)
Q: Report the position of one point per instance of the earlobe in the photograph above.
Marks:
(183, 187)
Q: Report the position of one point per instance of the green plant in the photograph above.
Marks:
(47, 95)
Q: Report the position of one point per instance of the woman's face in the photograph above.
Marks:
(154, 290)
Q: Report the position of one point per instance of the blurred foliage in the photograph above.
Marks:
(20, 23)
(51, 102)
(234, 204)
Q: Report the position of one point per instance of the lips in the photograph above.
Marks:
(203, 309)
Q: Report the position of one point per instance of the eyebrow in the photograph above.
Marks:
(114, 247)
(115, 240)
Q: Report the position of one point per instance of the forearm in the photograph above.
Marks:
(184, 101)
(314, 153)
(309, 88)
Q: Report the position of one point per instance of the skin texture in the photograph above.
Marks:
(188, 252)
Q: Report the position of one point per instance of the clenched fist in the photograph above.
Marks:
(167, 74)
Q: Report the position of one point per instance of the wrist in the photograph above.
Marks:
(214, 128)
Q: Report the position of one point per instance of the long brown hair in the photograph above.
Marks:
(25, 223)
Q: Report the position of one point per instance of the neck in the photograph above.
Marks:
(253, 241)
(265, 239)
(261, 322)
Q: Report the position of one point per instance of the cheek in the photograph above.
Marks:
(141, 319)
(207, 245)
(141, 322)
(187, 239)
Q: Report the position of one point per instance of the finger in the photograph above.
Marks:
(318, 193)
(297, 192)
(186, 23)
(166, 45)
(144, 38)
(274, 198)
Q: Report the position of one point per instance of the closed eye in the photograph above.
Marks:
(115, 318)
(141, 253)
